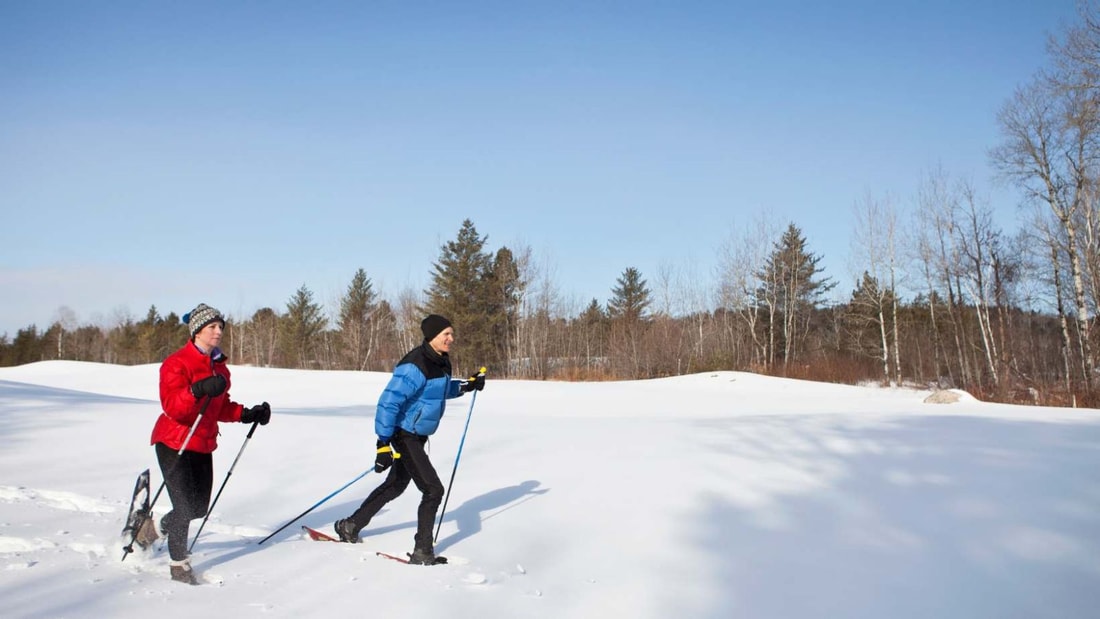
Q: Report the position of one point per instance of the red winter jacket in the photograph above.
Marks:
(182, 368)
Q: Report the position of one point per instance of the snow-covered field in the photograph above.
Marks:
(713, 495)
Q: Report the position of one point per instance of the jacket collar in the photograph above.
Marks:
(440, 359)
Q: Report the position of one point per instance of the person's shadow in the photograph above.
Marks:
(468, 516)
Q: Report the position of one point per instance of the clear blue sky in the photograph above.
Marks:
(230, 152)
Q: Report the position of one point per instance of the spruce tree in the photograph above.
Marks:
(791, 289)
(593, 324)
(627, 312)
(505, 289)
(358, 329)
(630, 297)
(460, 290)
(302, 328)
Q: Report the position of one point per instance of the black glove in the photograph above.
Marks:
(477, 381)
(384, 457)
(210, 386)
(260, 413)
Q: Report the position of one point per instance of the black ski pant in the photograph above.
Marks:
(415, 466)
(189, 477)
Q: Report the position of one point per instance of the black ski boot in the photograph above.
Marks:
(346, 531)
(425, 556)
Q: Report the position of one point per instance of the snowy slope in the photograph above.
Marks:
(712, 495)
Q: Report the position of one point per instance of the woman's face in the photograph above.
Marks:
(209, 336)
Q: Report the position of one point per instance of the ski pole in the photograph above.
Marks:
(218, 495)
(128, 548)
(316, 505)
(458, 455)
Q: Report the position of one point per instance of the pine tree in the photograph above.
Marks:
(26, 347)
(505, 289)
(301, 329)
(627, 313)
(460, 290)
(790, 289)
(867, 321)
(358, 334)
(630, 297)
(158, 337)
(593, 326)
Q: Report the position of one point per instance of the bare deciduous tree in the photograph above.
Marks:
(1049, 151)
(874, 245)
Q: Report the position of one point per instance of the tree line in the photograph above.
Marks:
(772, 317)
(945, 297)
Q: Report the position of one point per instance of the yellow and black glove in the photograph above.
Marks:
(384, 457)
(475, 382)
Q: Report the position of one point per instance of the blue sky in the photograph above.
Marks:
(171, 153)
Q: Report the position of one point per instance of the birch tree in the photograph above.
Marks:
(1049, 151)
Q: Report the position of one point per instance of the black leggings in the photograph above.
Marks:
(189, 478)
(413, 465)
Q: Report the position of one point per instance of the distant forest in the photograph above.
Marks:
(946, 297)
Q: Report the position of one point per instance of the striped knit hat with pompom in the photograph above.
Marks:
(201, 316)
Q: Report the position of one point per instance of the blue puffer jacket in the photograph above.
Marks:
(417, 394)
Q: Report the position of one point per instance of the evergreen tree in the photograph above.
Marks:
(122, 343)
(505, 289)
(158, 337)
(790, 288)
(867, 320)
(390, 349)
(26, 347)
(593, 324)
(357, 325)
(302, 328)
(630, 298)
(461, 291)
(627, 313)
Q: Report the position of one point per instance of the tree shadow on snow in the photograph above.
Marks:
(913, 517)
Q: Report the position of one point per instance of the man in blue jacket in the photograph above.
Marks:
(408, 412)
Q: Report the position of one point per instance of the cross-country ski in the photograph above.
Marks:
(318, 536)
(436, 560)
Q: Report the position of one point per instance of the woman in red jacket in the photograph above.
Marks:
(194, 395)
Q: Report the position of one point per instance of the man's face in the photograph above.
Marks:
(442, 342)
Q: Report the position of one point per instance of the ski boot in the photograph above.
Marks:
(346, 531)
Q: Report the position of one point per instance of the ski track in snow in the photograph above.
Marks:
(23, 552)
(68, 501)
(10, 545)
(26, 552)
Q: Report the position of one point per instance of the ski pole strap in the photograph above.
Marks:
(387, 449)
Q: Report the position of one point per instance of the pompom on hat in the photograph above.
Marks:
(433, 325)
(201, 316)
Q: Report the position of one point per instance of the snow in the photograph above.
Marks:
(714, 495)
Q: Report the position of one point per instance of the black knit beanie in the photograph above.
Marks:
(433, 325)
